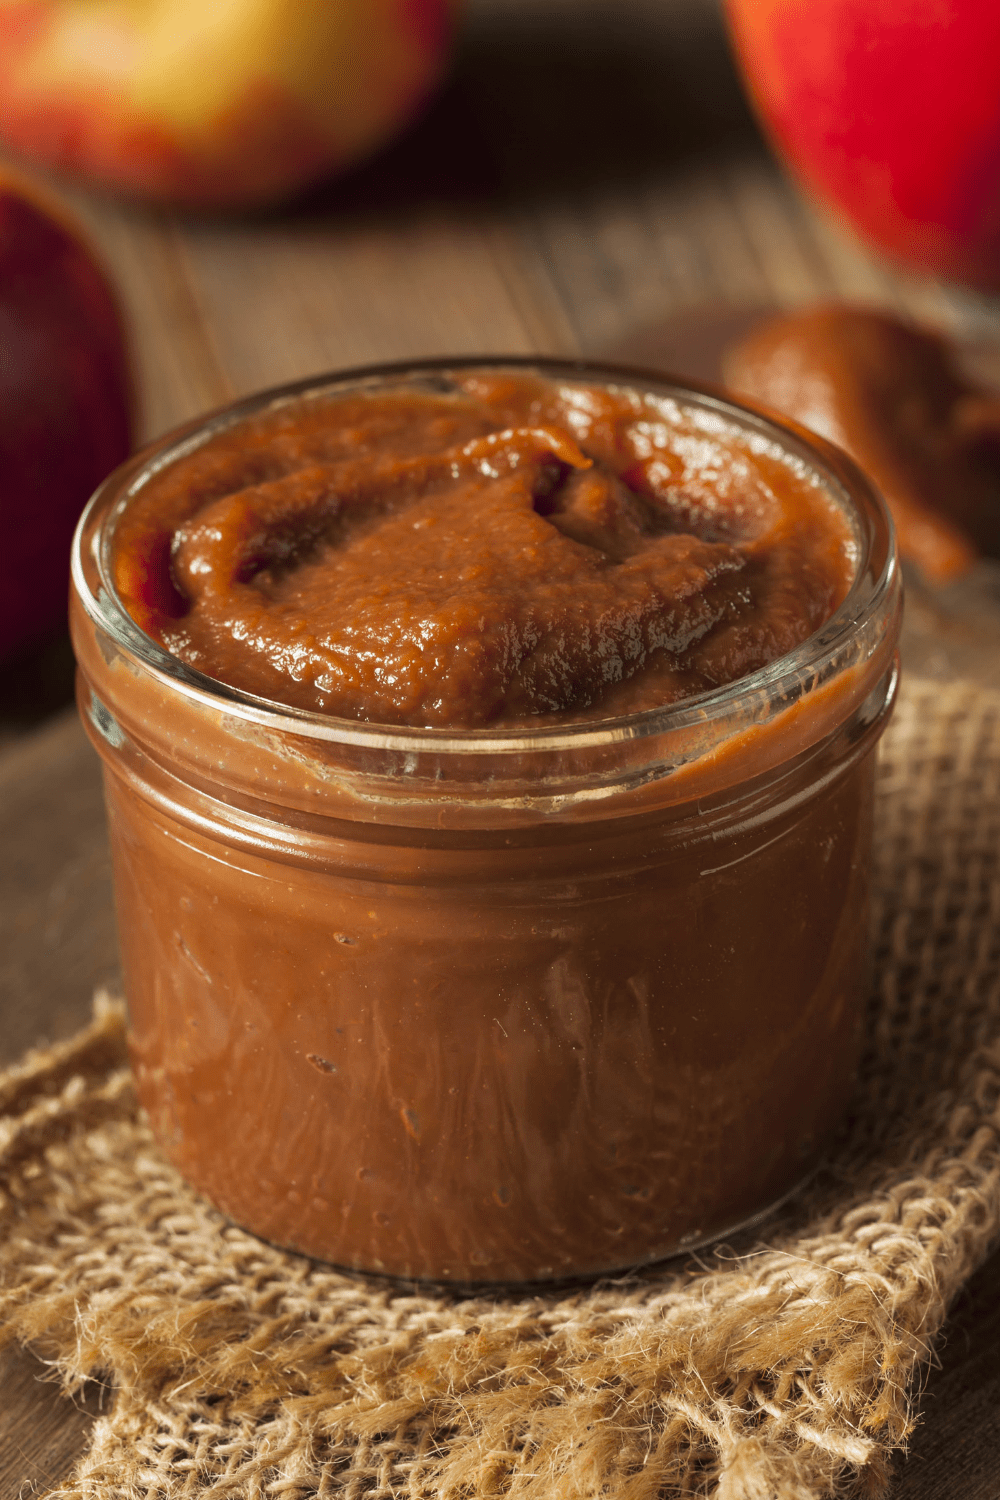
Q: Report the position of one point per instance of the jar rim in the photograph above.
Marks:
(781, 682)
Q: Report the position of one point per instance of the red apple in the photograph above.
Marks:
(890, 111)
(214, 102)
(64, 408)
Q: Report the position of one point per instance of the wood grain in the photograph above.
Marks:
(42, 1433)
(955, 1451)
(57, 935)
(583, 178)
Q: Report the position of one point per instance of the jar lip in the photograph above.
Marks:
(781, 681)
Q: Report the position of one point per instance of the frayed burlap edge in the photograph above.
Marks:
(779, 1373)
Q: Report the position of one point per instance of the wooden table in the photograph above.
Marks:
(590, 174)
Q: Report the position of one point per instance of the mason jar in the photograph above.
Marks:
(494, 1005)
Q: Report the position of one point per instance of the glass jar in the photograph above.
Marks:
(481, 1006)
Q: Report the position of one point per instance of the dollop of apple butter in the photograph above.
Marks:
(891, 394)
(509, 549)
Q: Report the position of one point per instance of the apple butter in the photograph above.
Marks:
(489, 757)
(892, 395)
(508, 550)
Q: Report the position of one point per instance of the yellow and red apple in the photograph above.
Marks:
(65, 406)
(890, 111)
(224, 103)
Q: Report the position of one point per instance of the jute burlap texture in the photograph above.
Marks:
(779, 1372)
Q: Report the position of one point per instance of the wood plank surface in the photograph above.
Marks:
(590, 175)
(41, 1433)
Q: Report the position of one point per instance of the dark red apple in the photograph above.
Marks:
(890, 111)
(65, 407)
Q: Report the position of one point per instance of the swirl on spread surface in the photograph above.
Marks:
(516, 549)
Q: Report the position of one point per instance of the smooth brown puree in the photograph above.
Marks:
(487, 1051)
(892, 395)
(518, 549)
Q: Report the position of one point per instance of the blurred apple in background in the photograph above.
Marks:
(890, 111)
(216, 103)
(65, 403)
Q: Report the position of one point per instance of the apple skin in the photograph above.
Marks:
(214, 103)
(65, 409)
(889, 110)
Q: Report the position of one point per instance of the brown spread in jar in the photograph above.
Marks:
(515, 987)
(512, 549)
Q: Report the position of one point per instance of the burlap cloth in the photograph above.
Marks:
(778, 1369)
